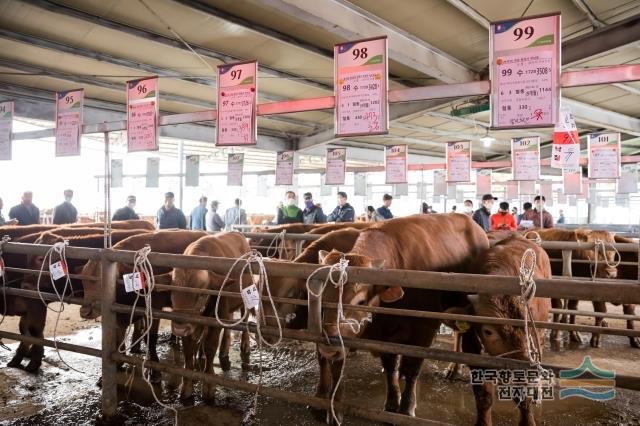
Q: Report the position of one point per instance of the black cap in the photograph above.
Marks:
(307, 195)
(486, 197)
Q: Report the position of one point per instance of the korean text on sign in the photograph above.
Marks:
(6, 121)
(525, 72)
(336, 166)
(395, 163)
(237, 87)
(604, 155)
(235, 166)
(284, 168)
(69, 122)
(565, 151)
(525, 158)
(361, 87)
(459, 161)
(142, 115)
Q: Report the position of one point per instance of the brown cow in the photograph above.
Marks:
(438, 242)
(579, 270)
(628, 272)
(262, 243)
(330, 227)
(230, 245)
(503, 340)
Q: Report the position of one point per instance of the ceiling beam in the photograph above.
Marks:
(470, 12)
(599, 117)
(350, 22)
(584, 8)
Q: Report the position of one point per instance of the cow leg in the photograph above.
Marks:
(324, 387)
(483, 393)
(574, 336)
(189, 348)
(526, 414)
(245, 350)
(453, 370)
(23, 348)
(390, 366)
(410, 369)
(556, 304)
(37, 318)
(600, 322)
(156, 376)
(336, 370)
(211, 341)
(631, 310)
(225, 344)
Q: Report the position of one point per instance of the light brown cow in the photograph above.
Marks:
(438, 242)
(267, 247)
(230, 245)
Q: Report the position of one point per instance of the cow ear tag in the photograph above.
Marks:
(462, 326)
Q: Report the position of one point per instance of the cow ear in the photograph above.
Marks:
(457, 325)
(582, 235)
(322, 254)
(377, 263)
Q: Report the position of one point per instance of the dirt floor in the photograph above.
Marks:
(61, 396)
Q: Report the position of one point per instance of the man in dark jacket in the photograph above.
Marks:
(26, 213)
(384, 211)
(169, 216)
(344, 212)
(482, 216)
(127, 212)
(2, 219)
(312, 213)
(65, 212)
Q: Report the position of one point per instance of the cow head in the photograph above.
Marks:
(183, 302)
(604, 258)
(353, 294)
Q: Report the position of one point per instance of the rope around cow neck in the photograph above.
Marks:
(537, 239)
(601, 245)
(142, 266)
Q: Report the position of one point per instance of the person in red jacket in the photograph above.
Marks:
(503, 221)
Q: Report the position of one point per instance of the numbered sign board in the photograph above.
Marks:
(116, 173)
(440, 182)
(68, 131)
(235, 166)
(459, 161)
(361, 81)
(628, 182)
(142, 114)
(237, 106)
(395, 163)
(525, 72)
(336, 166)
(6, 122)
(192, 170)
(483, 181)
(284, 168)
(153, 172)
(525, 158)
(604, 155)
(572, 179)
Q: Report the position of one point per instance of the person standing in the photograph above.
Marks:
(213, 220)
(127, 212)
(468, 207)
(384, 211)
(3, 221)
(289, 212)
(482, 216)
(525, 208)
(234, 216)
(312, 212)
(65, 212)
(540, 217)
(26, 213)
(514, 213)
(169, 216)
(503, 221)
(561, 219)
(198, 215)
(343, 212)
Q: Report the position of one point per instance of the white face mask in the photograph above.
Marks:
(468, 209)
(131, 205)
(540, 207)
(290, 201)
(68, 199)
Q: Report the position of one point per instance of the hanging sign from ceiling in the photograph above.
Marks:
(604, 155)
(565, 151)
(525, 72)
(237, 104)
(68, 131)
(336, 166)
(6, 122)
(395, 163)
(361, 82)
(572, 180)
(459, 161)
(284, 168)
(525, 158)
(483, 181)
(235, 166)
(143, 110)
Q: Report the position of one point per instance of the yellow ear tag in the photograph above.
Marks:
(462, 326)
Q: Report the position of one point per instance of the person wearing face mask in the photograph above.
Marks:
(503, 221)
(26, 213)
(482, 216)
(127, 212)
(213, 220)
(289, 212)
(343, 212)
(312, 213)
(468, 207)
(65, 212)
(540, 217)
(169, 216)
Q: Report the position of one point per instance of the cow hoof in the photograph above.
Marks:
(634, 342)
(225, 363)
(574, 336)
(245, 358)
(392, 406)
(99, 382)
(604, 323)
(15, 363)
(452, 372)
(246, 366)
(209, 393)
(595, 341)
(555, 335)
(33, 366)
(186, 393)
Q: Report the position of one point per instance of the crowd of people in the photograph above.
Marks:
(505, 220)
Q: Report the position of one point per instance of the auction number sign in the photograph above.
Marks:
(459, 161)
(604, 155)
(6, 122)
(284, 168)
(525, 158)
(361, 82)
(525, 72)
(69, 122)
(237, 106)
(143, 110)
(336, 166)
(395, 163)
(235, 166)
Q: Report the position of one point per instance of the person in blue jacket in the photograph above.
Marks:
(384, 209)
(344, 212)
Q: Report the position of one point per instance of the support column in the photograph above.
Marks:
(107, 192)
(181, 172)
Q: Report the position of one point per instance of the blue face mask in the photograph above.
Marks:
(308, 204)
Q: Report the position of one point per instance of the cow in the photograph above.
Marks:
(330, 227)
(230, 245)
(438, 242)
(267, 247)
(585, 270)
(628, 272)
(503, 259)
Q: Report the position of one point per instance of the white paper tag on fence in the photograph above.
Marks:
(58, 270)
(133, 282)
(251, 297)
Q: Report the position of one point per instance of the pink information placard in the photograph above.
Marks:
(525, 72)
(395, 163)
(604, 155)
(483, 181)
(459, 161)
(284, 168)
(525, 158)
(336, 166)
(628, 182)
(68, 131)
(527, 187)
(565, 151)
(512, 190)
(6, 123)
(572, 179)
(237, 104)
(143, 110)
(361, 82)
(235, 166)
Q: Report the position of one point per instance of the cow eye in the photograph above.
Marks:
(487, 332)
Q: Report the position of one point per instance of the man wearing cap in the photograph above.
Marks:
(312, 213)
(538, 213)
(127, 212)
(344, 212)
(482, 216)
(169, 216)
(503, 221)
(213, 220)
